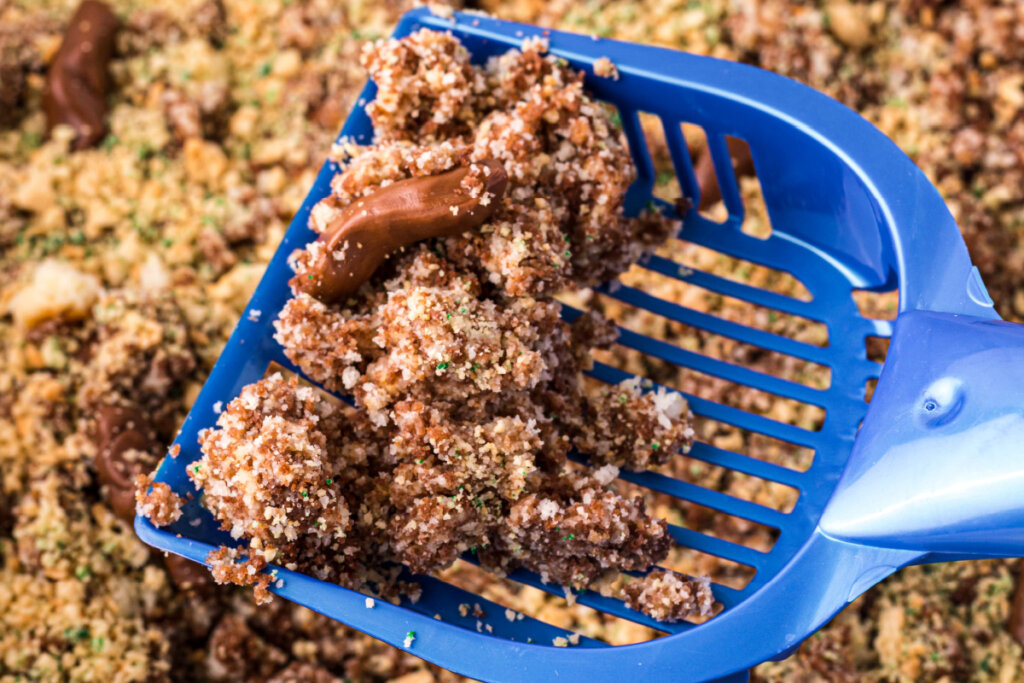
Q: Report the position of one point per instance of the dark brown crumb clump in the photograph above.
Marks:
(468, 381)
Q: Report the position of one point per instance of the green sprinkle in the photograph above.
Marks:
(196, 468)
(622, 399)
(566, 238)
(167, 241)
(442, 366)
(97, 644)
(310, 277)
(32, 140)
(655, 446)
(448, 316)
(462, 310)
(82, 572)
(572, 537)
(305, 495)
(329, 481)
(109, 142)
(476, 366)
(76, 633)
(420, 461)
(568, 254)
(264, 69)
(461, 487)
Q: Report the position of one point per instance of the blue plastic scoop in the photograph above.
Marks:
(931, 470)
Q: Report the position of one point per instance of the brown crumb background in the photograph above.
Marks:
(218, 123)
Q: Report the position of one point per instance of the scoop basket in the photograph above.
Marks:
(930, 470)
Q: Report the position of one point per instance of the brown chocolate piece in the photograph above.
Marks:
(186, 574)
(77, 83)
(329, 114)
(120, 434)
(12, 90)
(742, 162)
(405, 212)
(1015, 623)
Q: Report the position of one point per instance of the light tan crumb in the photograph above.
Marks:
(605, 68)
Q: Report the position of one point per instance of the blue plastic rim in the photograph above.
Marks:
(848, 211)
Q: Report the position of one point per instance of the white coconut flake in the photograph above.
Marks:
(547, 508)
(349, 377)
(668, 405)
(606, 474)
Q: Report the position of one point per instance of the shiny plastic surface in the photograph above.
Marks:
(848, 211)
(939, 463)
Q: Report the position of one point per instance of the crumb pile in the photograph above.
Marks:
(220, 114)
(468, 382)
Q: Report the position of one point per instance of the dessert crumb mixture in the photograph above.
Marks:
(157, 501)
(468, 382)
(667, 597)
(137, 257)
(605, 68)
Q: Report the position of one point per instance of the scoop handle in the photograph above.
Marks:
(938, 465)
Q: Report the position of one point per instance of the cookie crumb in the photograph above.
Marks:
(605, 68)
(160, 504)
(667, 596)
